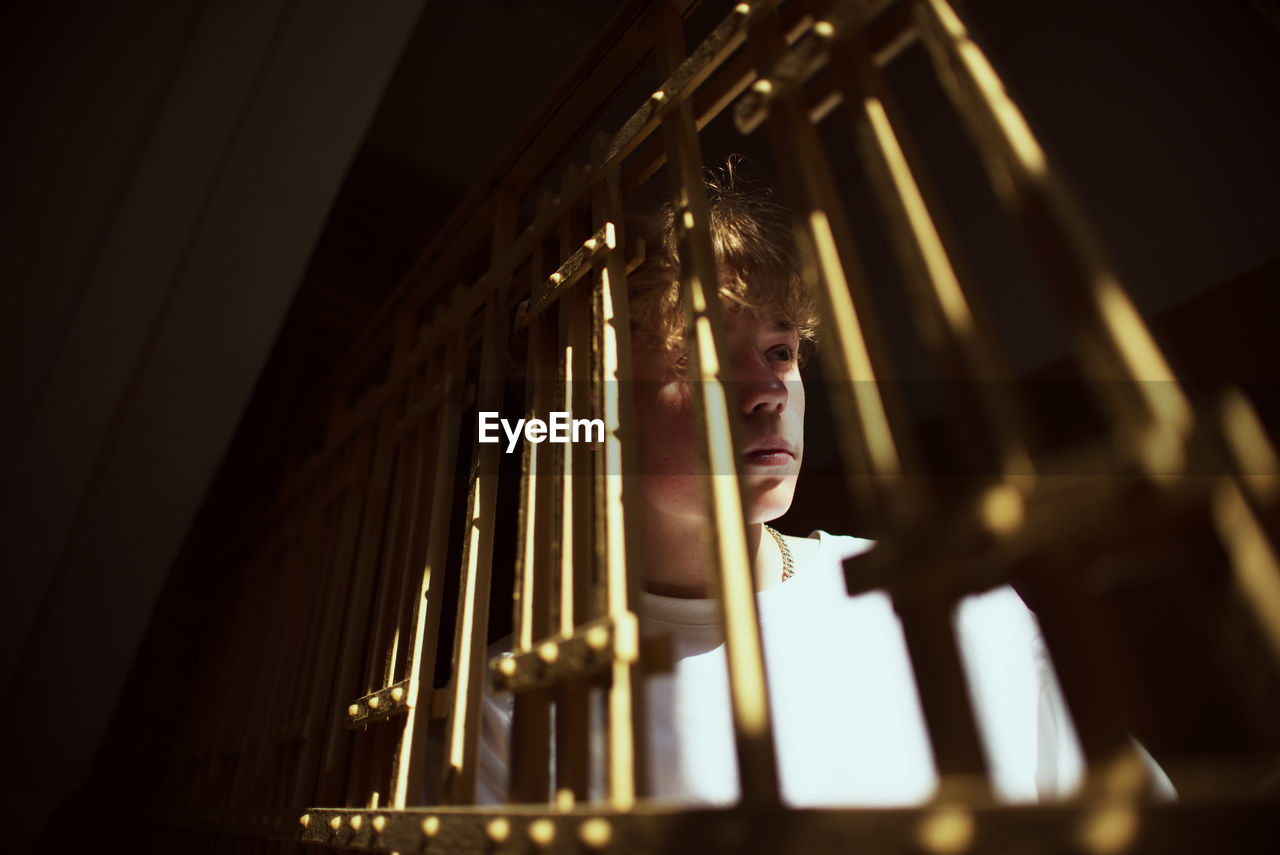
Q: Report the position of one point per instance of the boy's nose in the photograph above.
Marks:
(759, 388)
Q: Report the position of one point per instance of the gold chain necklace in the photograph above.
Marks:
(788, 564)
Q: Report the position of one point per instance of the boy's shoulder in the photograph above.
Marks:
(823, 548)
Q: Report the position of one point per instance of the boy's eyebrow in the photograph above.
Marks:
(783, 326)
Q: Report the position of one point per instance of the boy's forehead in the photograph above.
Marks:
(772, 317)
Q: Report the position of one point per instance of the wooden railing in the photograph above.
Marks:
(321, 721)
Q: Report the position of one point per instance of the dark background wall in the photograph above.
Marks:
(205, 203)
(168, 168)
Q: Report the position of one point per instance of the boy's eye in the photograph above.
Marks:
(783, 354)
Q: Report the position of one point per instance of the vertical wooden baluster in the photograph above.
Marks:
(469, 659)
(946, 310)
(1078, 642)
(259, 697)
(535, 567)
(925, 619)
(877, 448)
(411, 770)
(331, 789)
(322, 706)
(418, 437)
(1246, 512)
(1148, 414)
(1151, 416)
(753, 730)
(260, 589)
(617, 536)
(577, 554)
(307, 585)
(381, 653)
(368, 770)
(1254, 564)
(944, 697)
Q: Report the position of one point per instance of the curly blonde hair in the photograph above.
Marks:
(755, 253)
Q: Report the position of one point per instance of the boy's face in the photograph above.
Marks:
(762, 381)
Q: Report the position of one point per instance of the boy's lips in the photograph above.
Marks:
(771, 452)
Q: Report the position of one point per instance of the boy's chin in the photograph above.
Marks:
(771, 503)
(764, 498)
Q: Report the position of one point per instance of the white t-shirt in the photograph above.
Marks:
(848, 728)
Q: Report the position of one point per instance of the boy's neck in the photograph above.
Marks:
(675, 557)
